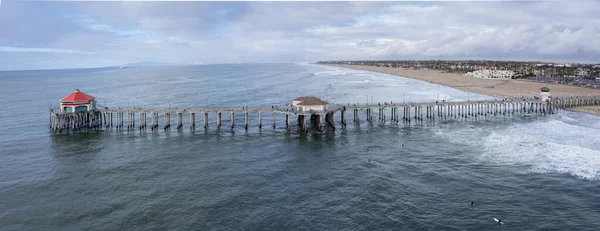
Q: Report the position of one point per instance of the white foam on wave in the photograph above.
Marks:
(585, 120)
(371, 76)
(358, 81)
(568, 119)
(393, 85)
(562, 144)
(467, 134)
(546, 147)
(180, 79)
(331, 72)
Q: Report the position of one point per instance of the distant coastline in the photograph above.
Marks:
(501, 88)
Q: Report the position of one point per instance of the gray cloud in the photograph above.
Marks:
(190, 32)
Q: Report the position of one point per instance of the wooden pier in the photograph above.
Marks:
(125, 119)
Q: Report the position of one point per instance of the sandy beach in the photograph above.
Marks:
(501, 88)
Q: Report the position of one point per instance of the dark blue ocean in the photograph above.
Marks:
(533, 172)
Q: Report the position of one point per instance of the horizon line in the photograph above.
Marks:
(294, 0)
(157, 64)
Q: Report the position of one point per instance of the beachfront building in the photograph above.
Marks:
(309, 103)
(491, 74)
(78, 102)
(545, 94)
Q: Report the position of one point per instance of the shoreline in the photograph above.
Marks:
(505, 88)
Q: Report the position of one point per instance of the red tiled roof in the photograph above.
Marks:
(310, 100)
(77, 96)
(74, 104)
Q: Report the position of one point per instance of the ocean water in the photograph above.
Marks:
(534, 172)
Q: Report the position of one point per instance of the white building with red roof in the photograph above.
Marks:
(78, 102)
(309, 103)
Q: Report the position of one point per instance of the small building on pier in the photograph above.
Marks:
(77, 102)
(309, 103)
(545, 94)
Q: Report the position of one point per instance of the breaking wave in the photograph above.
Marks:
(555, 145)
(547, 147)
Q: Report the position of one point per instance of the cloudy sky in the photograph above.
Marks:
(47, 34)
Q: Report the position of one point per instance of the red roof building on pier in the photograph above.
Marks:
(78, 102)
(309, 103)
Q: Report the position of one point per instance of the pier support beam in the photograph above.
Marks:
(259, 120)
(205, 120)
(179, 120)
(246, 120)
(154, 121)
(302, 122)
(343, 115)
(288, 121)
(330, 120)
(192, 120)
(167, 121)
(218, 119)
(319, 122)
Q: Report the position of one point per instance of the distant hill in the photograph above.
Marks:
(145, 64)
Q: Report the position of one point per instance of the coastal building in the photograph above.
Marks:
(582, 72)
(309, 103)
(545, 94)
(78, 102)
(491, 74)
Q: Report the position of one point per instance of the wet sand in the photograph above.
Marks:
(500, 88)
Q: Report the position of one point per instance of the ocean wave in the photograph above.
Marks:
(366, 75)
(466, 135)
(568, 119)
(546, 147)
(552, 145)
(544, 157)
(331, 72)
(358, 81)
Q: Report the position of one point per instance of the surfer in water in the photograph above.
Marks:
(499, 221)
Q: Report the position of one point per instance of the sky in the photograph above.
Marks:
(73, 34)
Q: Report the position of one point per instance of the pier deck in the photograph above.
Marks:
(115, 117)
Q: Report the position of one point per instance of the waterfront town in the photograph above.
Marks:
(574, 74)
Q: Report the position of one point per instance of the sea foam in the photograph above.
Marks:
(560, 144)
(547, 147)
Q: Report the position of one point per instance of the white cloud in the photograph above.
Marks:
(296, 31)
(39, 50)
(92, 24)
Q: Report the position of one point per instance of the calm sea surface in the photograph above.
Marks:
(536, 173)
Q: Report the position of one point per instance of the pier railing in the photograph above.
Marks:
(408, 112)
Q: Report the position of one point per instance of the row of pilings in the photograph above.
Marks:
(75, 121)
(420, 112)
(576, 102)
(66, 121)
(123, 119)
